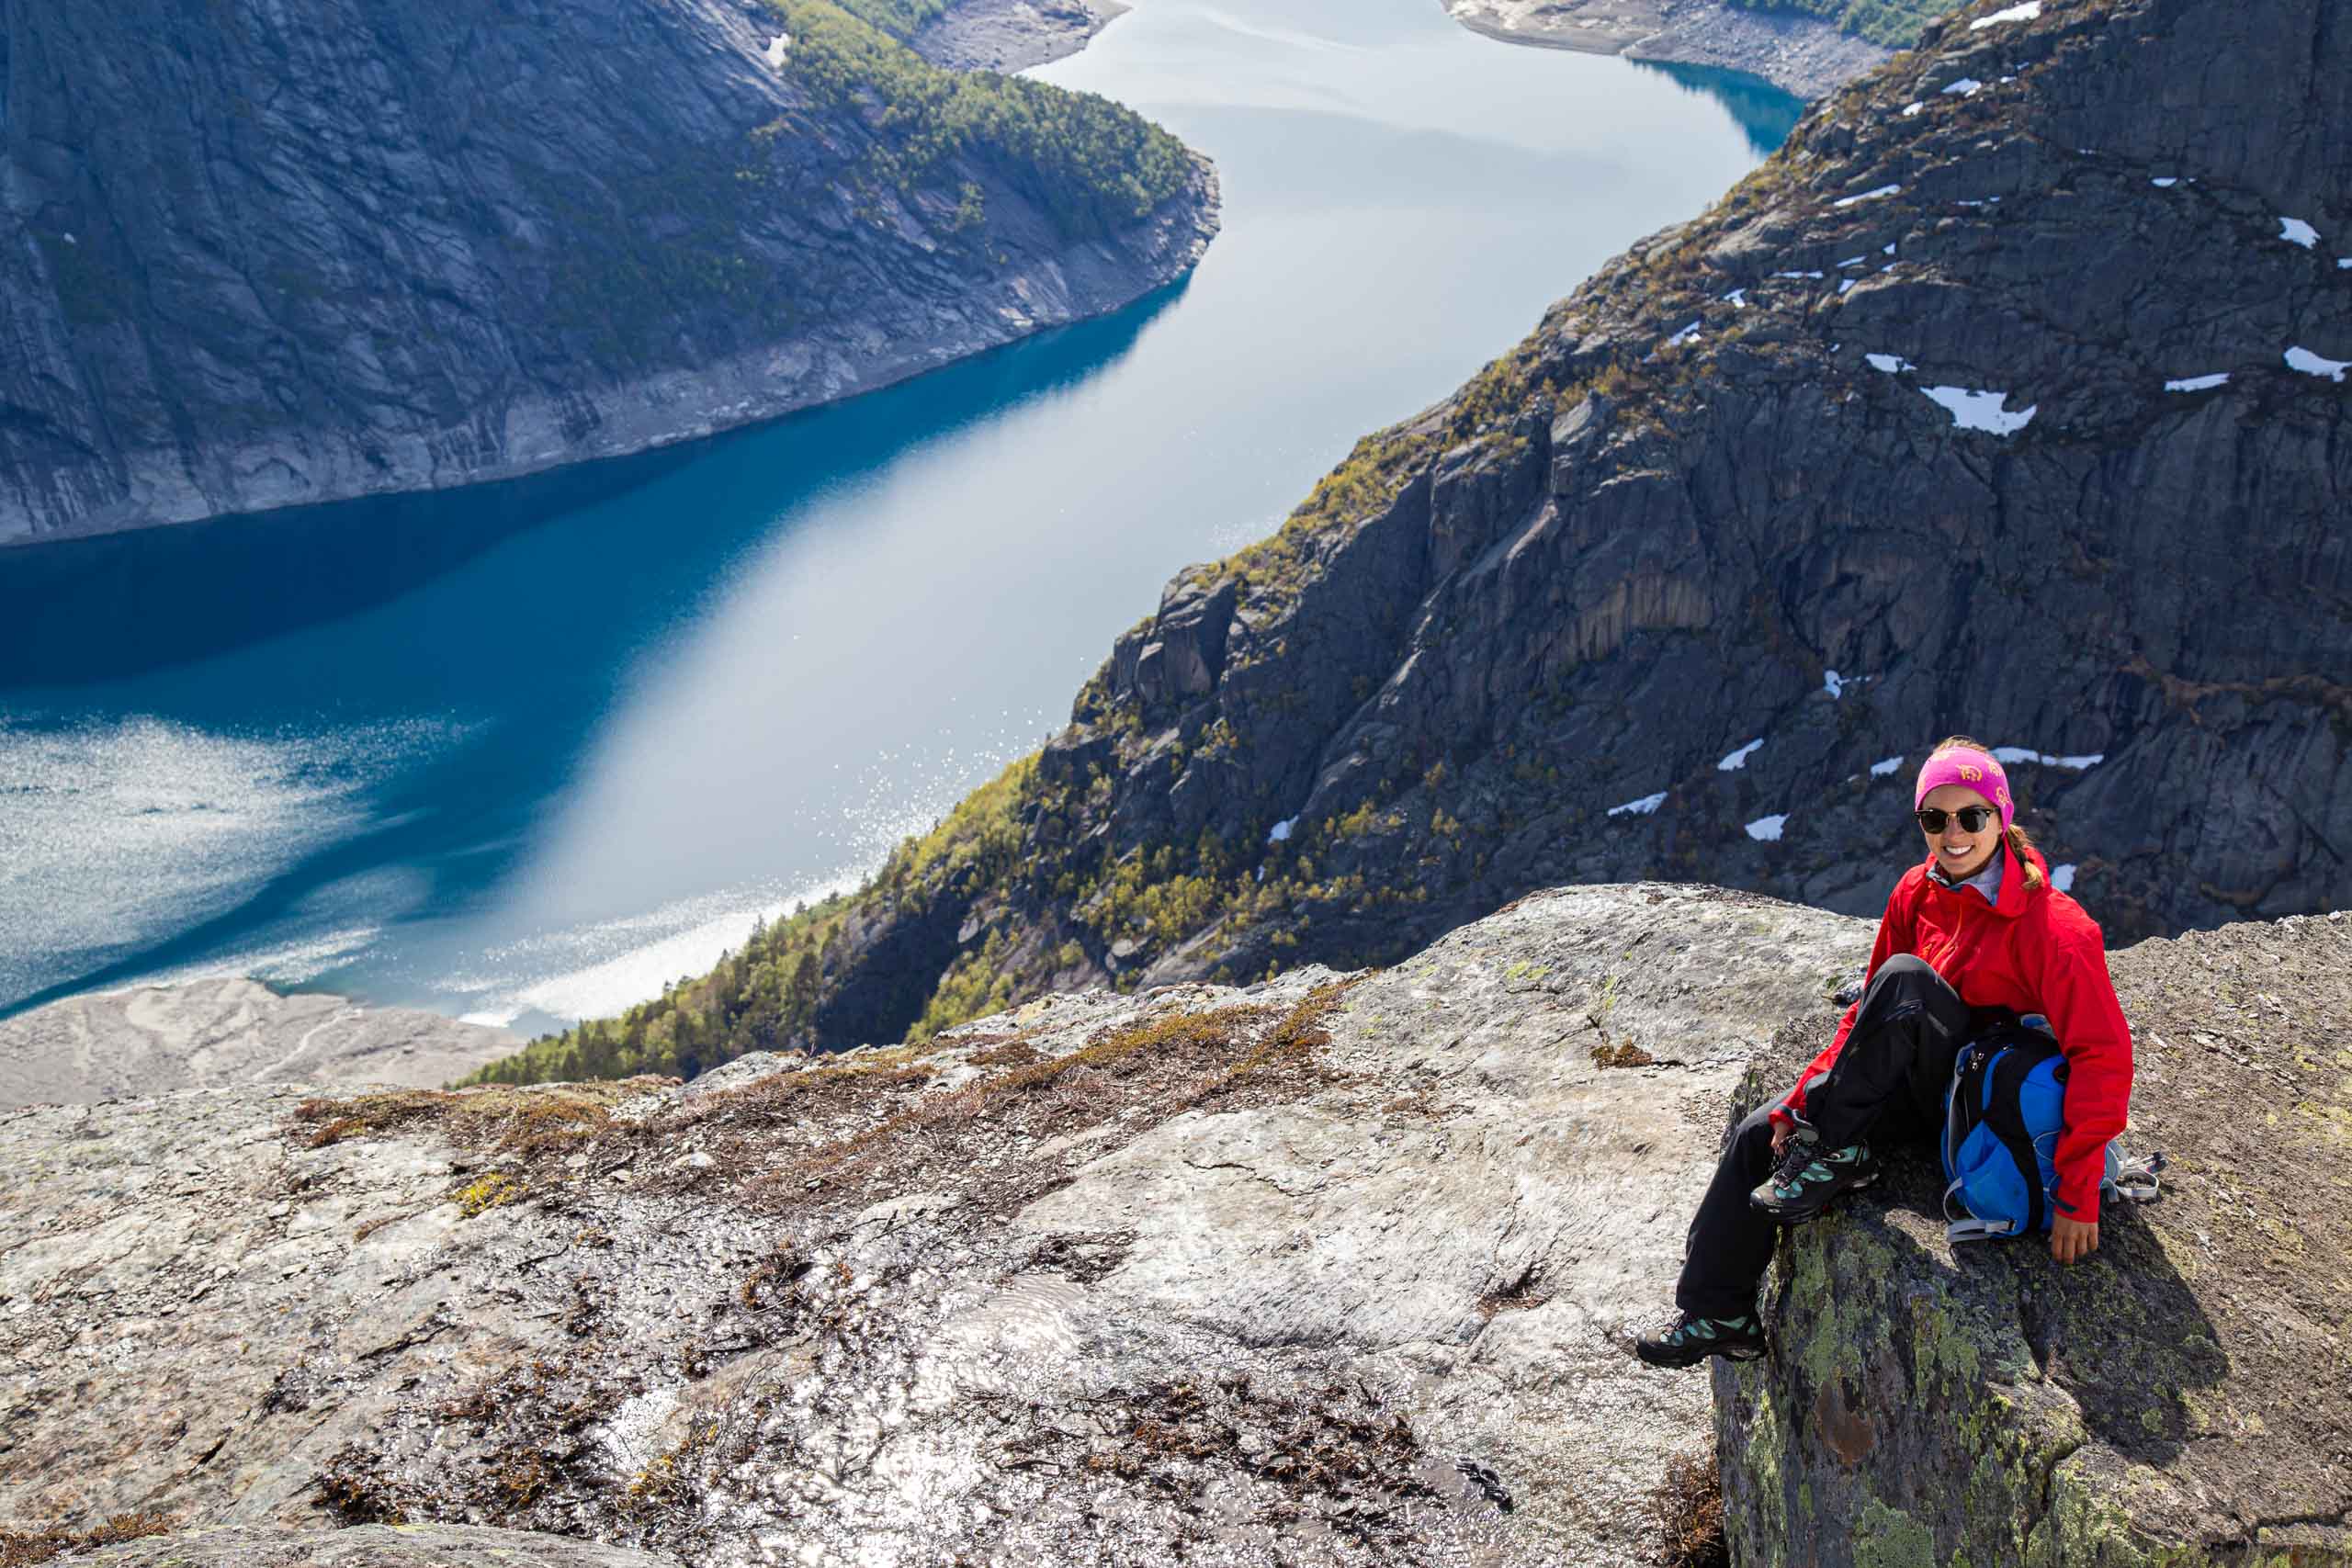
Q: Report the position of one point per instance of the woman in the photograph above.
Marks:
(1975, 936)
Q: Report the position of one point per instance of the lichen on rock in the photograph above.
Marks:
(2179, 1398)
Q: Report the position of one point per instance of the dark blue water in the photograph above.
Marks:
(530, 751)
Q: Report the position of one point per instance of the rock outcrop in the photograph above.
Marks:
(1799, 54)
(1331, 1270)
(2005, 398)
(253, 256)
(1326, 1269)
(153, 1040)
(1011, 35)
(2184, 1398)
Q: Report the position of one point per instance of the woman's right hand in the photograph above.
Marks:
(1782, 1132)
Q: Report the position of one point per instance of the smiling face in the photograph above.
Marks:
(1959, 853)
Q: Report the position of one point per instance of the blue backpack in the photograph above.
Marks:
(2002, 1118)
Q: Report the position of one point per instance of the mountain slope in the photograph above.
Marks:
(1886, 444)
(252, 256)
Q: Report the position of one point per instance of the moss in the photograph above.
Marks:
(494, 1190)
(1944, 1349)
(1889, 1538)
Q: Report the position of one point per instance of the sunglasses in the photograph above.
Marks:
(1972, 818)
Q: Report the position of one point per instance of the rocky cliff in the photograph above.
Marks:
(254, 255)
(1331, 1269)
(2008, 397)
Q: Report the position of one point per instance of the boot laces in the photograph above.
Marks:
(1798, 1153)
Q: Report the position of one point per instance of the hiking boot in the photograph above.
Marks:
(1807, 1177)
(1687, 1340)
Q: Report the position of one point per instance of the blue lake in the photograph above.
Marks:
(528, 752)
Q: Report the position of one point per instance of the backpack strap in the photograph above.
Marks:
(2136, 1180)
(2003, 1077)
(1971, 1228)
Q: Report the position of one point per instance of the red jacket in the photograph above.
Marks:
(2036, 950)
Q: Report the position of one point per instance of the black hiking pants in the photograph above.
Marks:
(1887, 1085)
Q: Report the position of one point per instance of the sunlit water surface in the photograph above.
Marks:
(527, 751)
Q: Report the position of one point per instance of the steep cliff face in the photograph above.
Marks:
(254, 255)
(2008, 398)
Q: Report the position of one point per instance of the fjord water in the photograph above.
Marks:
(526, 752)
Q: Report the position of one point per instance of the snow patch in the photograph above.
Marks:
(779, 47)
(1738, 297)
(1280, 831)
(2008, 754)
(2025, 13)
(1739, 758)
(1766, 829)
(2295, 231)
(1910, 109)
(1879, 194)
(1685, 335)
(2062, 877)
(1973, 409)
(1853, 260)
(2198, 383)
(1967, 87)
(2165, 181)
(1892, 364)
(1796, 275)
(1641, 807)
(1882, 769)
(2310, 363)
(1844, 287)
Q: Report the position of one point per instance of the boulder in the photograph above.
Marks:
(2184, 1396)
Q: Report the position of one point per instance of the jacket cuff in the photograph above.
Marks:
(2078, 1197)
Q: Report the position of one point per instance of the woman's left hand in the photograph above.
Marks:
(2072, 1239)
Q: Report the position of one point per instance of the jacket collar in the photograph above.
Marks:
(2013, 891)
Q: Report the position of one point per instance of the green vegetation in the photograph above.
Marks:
(1090, 164)
(1893, 23)
(765, 996)
(651, 256)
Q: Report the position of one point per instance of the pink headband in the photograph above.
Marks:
(1970, 768)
